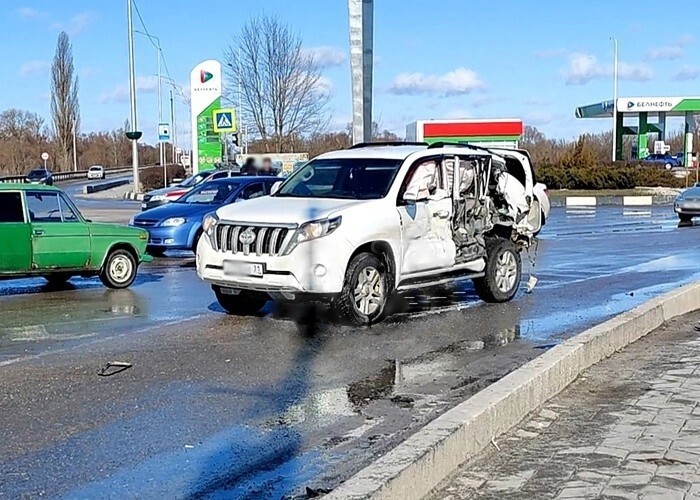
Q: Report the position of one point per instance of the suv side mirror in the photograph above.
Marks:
(275, 187)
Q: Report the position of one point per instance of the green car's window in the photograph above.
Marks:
(68, 214)
(11, 207)
(43, 206)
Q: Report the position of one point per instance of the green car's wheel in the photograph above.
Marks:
(57, 278)
(119, 269)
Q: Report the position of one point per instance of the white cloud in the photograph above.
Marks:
(76, 24)
(458, 82)
(326, 56)
(670, 52)
(120, 93)
(324, 86)
(583, 68)
(665, 53)
(29, 13)
(34, 68)
(686, 73)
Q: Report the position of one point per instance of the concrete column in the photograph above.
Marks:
(642, 140)
(619, 129)
(689, 131)
(361, 14)
(662, 126)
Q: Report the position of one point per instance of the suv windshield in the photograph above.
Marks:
(353, 178)
(209, 193)
(195, 179)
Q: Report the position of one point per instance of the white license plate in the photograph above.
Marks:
(233, 268)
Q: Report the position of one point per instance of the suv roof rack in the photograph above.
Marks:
(386, 143)
(458, 144)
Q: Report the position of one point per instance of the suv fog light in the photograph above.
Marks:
(169, 241)
(320, 271)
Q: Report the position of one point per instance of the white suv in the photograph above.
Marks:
(353, 226)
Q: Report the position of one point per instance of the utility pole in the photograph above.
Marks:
(173, 127)
(75, 150)
(134, 135)
(614, 127)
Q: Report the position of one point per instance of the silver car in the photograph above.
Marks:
(687, 204)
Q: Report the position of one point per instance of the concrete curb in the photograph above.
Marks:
(133, 196)
(103, 186)
(592, 201)
(416, 466)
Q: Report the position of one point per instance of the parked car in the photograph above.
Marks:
(687, 204)
(96, 172)
(40, 176)
(680, 157)
(178, 225)
(665, 159)
(351, 227)
(44, 234)
(165, 195)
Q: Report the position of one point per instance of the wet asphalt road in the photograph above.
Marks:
(225, 407)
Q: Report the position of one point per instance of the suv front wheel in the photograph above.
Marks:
(363, 298)
(503, 271)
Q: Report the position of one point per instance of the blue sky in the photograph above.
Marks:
(534, 60)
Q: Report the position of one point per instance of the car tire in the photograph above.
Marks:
(244, 304)
(196, 239)
(502, 274)
(366, 289)
(119, 269)
(668, 166)
(58, 278)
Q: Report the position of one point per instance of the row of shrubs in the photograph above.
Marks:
(606, 177)
(152, 177)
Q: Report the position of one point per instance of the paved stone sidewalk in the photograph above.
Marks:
(628, 428)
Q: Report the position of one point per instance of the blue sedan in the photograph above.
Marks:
(178, 225)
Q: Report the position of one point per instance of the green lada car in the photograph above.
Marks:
(42, 233)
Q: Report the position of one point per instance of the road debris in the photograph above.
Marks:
(113, 367)
(495, 444)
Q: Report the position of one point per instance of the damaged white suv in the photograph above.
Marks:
(351, 227)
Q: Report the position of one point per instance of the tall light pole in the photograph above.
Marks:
(361, 22)
(134, 135)
(614, 127)
(75, 150)
(159, 56)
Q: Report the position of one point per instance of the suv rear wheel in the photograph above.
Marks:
(243, 304)
(503, 271)
(363, 298)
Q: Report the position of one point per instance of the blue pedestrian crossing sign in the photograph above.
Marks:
(224, 121)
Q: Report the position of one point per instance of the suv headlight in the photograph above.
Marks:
(312, 231)
(173, 221)
(209, 223)
(157, 197)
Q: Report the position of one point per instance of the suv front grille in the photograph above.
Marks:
(268, 240)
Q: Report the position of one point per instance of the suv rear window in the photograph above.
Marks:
(11, 207)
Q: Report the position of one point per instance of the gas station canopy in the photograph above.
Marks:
(640, 109)
(632, 106)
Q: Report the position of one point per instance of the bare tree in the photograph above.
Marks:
(282, 91)
(65, 110)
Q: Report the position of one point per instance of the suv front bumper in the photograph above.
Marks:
(314, 267)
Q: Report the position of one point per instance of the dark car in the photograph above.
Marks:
(664, 159)
(40, 176)
(162, 196)
(178, 224)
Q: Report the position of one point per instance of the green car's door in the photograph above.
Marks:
(60, 238)
(16, 252)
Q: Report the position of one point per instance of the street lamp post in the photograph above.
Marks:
(614, 127)
(159, 56)
(75, 150)
(134, 134)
